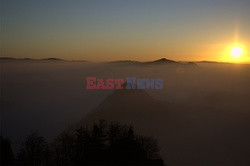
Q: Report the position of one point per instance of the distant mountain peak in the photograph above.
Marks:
(164, 60)
(7, 58)
(131, 105)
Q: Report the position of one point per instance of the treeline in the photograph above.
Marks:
(102, 143)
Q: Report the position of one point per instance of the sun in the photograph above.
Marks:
(236, 51)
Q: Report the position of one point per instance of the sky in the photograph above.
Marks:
(144, 30)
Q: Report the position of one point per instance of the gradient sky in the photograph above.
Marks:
(101, 30)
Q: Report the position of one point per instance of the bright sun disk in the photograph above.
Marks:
(236, 51)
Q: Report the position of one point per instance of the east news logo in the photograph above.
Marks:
(117, 83)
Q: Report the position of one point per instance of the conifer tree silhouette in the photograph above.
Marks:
(6, 154)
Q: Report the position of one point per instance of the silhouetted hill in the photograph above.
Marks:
(133, 107)
(10, 59)
(168, 62)
(127, 106)
(163, 61)
(16, 59)
(30, 59)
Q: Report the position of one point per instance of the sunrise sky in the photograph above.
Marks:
(102, 30)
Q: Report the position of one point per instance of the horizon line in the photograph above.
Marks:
(118, 60)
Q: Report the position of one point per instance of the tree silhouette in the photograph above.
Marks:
(7, 157)
(62, 150)
(34, 151)
(106, 144)
(102, 143)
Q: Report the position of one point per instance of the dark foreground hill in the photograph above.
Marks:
(130, 107)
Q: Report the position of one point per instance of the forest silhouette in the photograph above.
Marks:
(103, 143)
